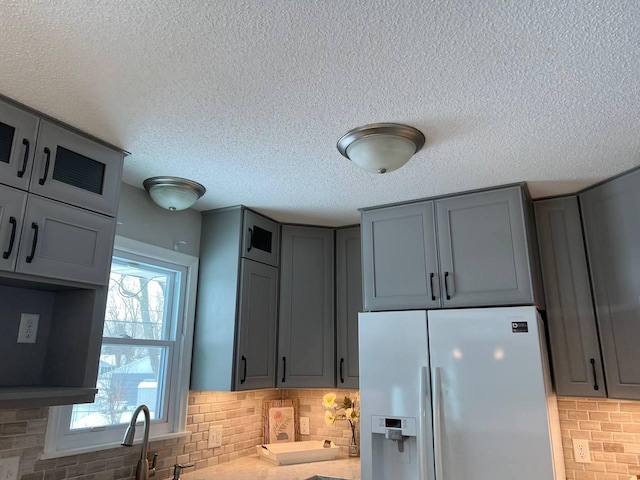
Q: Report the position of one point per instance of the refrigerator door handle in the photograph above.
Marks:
(422, 418)
(436, 391)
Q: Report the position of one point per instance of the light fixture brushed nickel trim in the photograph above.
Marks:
(183, 184)
(381, 157)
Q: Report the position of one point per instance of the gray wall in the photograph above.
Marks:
(141, 219)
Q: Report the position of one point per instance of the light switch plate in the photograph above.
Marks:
(9, 468)
(304, 425)
(28, 329)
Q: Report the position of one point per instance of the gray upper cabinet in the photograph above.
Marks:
(612, 231)
(255, 355)
(12, 204)
(261, 239)
(348, 304)
(574, 344)
(55, 256)
(235, 332)
(479, 250)
(484, 253)
(399, 255)
(64, 242)
(306, 327)
(18, 131)
(73, 169)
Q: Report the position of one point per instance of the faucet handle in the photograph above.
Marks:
(152, 469)
(177, 469)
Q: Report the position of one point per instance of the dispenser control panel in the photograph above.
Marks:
(407, 425)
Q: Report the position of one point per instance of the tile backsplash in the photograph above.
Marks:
(612, 428)
(240, 414)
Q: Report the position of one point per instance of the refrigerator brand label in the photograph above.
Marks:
(519, 327)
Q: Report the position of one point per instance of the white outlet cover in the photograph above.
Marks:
(28, 329)
(9, 468)
(581, 452)
(215, 436)
(304, 425)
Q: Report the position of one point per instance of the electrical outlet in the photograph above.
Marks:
(9, 468)
(215, 436)
(304, 425)
(28, 329)
(581, 451)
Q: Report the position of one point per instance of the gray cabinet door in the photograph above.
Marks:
(261, 239)
(306, 329)
(73, 169)
(18, 130)
(348, 304)
(256, 352)
(12, 204)
(611, 215)
(60, 241)
(573, 335)
(400, 266)
(484, 257)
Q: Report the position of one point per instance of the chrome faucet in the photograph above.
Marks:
(177, 470)
(143, 472)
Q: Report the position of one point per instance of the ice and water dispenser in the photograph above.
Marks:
(394, 449)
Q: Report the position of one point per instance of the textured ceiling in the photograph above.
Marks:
(250, 97)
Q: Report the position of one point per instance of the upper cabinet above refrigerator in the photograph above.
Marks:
(477, 249)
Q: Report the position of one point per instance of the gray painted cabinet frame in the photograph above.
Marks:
(571, 322)
(12, 205)
(236, 312)
(17, 171)
(468, 250)
(306, 328)
(348, 304)
(611, 216)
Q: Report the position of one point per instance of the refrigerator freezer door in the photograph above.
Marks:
(394, 387)
(489, 379)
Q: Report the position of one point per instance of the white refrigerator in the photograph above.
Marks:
(456, 395)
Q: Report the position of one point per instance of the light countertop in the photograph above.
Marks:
(252, 467)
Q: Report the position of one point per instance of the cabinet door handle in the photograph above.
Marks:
(47, 152)
(446, 285)
(244, 370)
(284, 369)
(14, 223)
(595, 378)
(34, 225)
(433, 295)
(250, 240)
(342, 370)
(26, 144)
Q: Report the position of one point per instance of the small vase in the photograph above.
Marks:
(354, 448)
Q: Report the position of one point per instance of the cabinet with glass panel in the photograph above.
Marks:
(58, 199)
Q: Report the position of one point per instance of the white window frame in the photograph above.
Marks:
(60, 441)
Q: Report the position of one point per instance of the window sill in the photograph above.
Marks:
(97, 448)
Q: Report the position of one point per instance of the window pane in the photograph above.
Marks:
(139, 301)
(128, 376)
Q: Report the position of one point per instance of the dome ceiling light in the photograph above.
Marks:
(381, 147)
(173, 193)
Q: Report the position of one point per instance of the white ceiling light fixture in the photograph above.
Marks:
(381, 147)
(173, 193)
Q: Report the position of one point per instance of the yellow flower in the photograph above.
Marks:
(352, 414)
(329, 401)
(329, 418)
